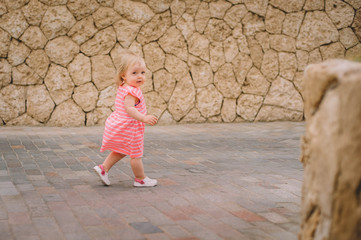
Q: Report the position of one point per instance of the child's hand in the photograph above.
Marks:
(150, 119)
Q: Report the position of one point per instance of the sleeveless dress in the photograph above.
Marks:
(122, 133)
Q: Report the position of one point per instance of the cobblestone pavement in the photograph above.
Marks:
(216, 181)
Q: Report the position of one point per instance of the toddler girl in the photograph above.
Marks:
(124, 128)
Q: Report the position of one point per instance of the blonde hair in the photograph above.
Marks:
(127, 59)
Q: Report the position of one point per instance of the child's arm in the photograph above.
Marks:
(129, 103)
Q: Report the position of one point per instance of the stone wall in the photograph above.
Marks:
(331, 195)
(208, 61)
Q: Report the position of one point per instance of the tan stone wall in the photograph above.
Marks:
(208, 61)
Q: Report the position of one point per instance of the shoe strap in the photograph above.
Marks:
(102, 168)
(139, 180)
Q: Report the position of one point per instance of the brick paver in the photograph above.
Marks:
(216, 181)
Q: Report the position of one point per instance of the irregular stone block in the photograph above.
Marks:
(86, 96)
(39, 103)
(248, 106)
(59, 84)
(183, 98)
(316, 30)
(331, 151)
(209, 101)
(67, 114)
(80, 69)
(101, 43)
(61, 50)
(103, 71)
(226, 83)
(57, 21)
(14, 23)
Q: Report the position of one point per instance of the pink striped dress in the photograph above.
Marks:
(122, 133)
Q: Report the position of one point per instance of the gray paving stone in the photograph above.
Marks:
(216, 181)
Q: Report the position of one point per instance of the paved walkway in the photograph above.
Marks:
(216, 181)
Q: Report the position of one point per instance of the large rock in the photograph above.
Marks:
(269, 67)
(154, 29)
(234, 15)
(248, 106)
(61, 50)
(5, 40)
(198, 45)
(12, 102)
(282, 43)
(242, 63)
(17, 53)
(331, 150)
(316, 30)
(126, 31)
(173, 43)
(34, 12)
(209, 101)
(155, 103)
(103, 71)
(14, 23)
(283, 94)
(24, 75)
(80, 69)
(292, 23)
(177, 8)
(334, 50)
(34, 38)
(57, 21)
(348, 38)
(164, 84)
(226, 83)
(82, 8)
(287, 64)
(154, 56)
(202, 17)
(341, 13)
(67, 114)
(107, 97)
(230, 48)
(101, 43)
(288, 5)
(176, 67)
(59, 83)
(86, 96)
(218, 8)
(255, 83)
(83, 30)
(257, 6)
(228, 111)
(39, 103)
(274, 20)
(216, 54)
(39, 62)
(252, 23)
(105, 17)
(98, 116)
(273, 113)
(5, 73)
(201, 72)
(217, 30)
(182, 99)
(133, 11)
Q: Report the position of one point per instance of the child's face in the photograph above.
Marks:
(135, 75)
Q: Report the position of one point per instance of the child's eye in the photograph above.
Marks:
(143, 73)
(134, 72)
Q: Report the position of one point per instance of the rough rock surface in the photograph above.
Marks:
(331, 151)
(207, 61)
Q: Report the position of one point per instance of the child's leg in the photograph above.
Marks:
(137, 167)
(112, 159)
